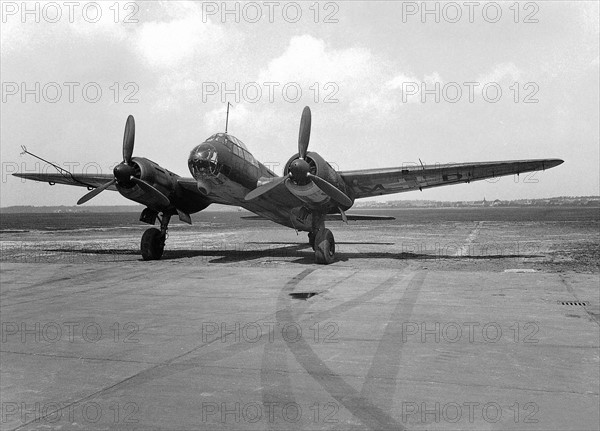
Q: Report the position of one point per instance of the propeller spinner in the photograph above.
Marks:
(124, 171)
(299, 169)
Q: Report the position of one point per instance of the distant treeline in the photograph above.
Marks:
(587, 201)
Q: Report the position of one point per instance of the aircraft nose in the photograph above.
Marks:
(203, 161)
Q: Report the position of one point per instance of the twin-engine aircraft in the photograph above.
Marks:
(309, 192)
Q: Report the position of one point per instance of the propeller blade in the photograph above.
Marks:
(330, 190)
(265, 188)
(161, 199)
(128, 138)
(95, 192)
(304, 134)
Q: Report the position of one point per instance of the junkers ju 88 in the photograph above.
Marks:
(309, 193)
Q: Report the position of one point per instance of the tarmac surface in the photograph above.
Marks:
(459, 325)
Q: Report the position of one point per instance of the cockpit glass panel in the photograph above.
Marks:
(217, 137)
(237, 142)
(229, 141)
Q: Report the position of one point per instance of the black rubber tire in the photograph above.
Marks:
(324, 247)
(153, 244)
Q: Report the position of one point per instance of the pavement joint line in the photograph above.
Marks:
(464, 250)
(84, 358)
(61, 295)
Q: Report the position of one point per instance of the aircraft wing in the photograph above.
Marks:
(375, 182)
(81, 180)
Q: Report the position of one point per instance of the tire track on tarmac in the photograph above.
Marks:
(357, 403)
(277, 388)
(381, 380)
(177, 365)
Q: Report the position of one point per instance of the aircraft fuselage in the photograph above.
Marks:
(226, 172)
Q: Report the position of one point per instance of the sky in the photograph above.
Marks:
(388, 83)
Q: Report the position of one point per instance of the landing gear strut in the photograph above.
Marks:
(322, 241)
(153, 240)
(311, 240)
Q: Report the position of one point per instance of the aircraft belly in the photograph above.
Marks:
(226, 191)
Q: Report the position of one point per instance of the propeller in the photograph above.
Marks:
(299, 169)
(330, 190)
(124, 172)
(95, 192)
(128, 138)
(304, 133)
(160, 198)
(265, 188)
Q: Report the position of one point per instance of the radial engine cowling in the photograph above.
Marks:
(153, 174)
(307, 191)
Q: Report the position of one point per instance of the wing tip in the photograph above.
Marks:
(554, 162)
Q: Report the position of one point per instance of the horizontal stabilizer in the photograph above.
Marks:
(337, 217)
(358, 217)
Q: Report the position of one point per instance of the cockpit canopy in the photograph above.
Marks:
(228, 140)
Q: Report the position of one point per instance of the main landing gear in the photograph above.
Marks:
(322, 241)
(153, 240)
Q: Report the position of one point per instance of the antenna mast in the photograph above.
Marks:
(227, 117)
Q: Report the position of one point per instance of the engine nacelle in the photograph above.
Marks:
(165, 181)
(158, 177)
(310, 193)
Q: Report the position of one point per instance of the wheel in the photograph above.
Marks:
(153, 244)
(311, 240)
(324, 247)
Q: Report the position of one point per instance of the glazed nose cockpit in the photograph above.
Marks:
(203, 161)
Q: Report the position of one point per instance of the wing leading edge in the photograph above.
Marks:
(93, 181)
(376, 182)
(81, 180)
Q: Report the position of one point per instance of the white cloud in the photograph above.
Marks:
(501, 72)
(13, 34)
(590, 18)
(52, 22)
(364, 81)
(170, 43)
(399, 80)
(308, 60)
(390, 97)
(433, 78)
